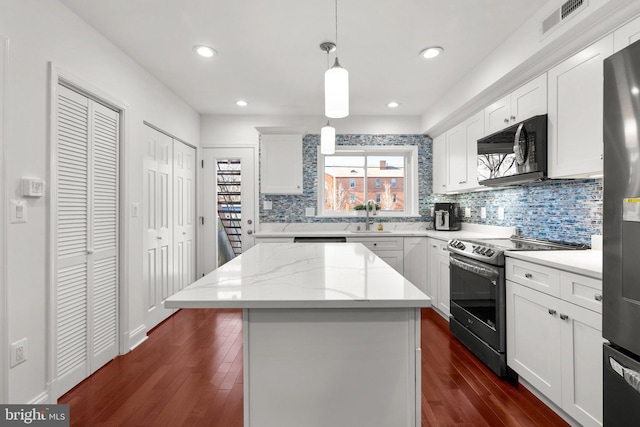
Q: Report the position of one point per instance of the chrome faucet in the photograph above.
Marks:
(373, 206)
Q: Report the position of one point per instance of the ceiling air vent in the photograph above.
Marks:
(560, 15)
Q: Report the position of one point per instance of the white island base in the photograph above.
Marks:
(331, 334)
(332, 367)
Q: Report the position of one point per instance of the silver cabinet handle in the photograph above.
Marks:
(158, 237)
(462, 182)
(552, 312)
(434, 246)
(597, 297)
(528, 275)
(506, 120)
(601, 156)
(249, 222)
(513, 118)
(89, 251)
(564, 317)
(250, 232)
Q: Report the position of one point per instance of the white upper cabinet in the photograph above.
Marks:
(527, 101)
(575, 147)
(455, 155)
(462, 146)
(281, 163)
(439, 165)
(626, 35)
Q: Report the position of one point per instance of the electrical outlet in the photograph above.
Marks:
(467, 212)
(433, 211)
(483, 212)
(18, 352)
(501, 213)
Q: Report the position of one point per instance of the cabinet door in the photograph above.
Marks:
(432, 279)
(415, 262)
(496, 115)
(393, 258)
(439, 165)
(533, 339)
(529, 100)
(281, 164)
(473, 131)
(575, 113)
(457, 157)
(444, 293)
(582, 364)
(626, 35)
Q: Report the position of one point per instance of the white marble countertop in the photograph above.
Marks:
(302, 275)
(587, 262)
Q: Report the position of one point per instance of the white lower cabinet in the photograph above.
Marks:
(414, 260)
(556, 346)
(390, 249)
(438, 276)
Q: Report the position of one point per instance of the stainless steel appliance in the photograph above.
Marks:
(621, 238)
(477, 280)
(447, 216)
(515, 155)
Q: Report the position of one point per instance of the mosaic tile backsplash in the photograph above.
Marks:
(561, 210)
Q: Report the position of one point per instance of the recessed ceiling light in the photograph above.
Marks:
(635, 90)
(393, 104)
(205, 51)
(242, 103)
(431, 52)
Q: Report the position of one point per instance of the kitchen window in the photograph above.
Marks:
(353, 175)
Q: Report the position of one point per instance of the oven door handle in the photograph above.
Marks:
(489, 272)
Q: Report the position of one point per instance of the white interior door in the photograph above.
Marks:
(214, 160)
(85, 225)
(158, 208)
(184, 179)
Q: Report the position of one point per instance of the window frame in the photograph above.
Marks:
(410, 154)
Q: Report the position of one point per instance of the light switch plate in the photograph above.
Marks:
(310, 211)
(18, 211)
(267, 205)
(467, 212)
(501, 213)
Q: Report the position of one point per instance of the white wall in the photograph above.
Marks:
(524, 56)
(39, 32)
(222, 130)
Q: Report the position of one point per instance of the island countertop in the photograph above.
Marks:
(302, 275)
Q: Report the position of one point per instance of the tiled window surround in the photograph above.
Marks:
(563, 210)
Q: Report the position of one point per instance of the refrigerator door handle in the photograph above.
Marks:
(631, 377)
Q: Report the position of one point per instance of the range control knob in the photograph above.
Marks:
(490, 252)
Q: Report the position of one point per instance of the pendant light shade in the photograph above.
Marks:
(336, 92)
(328, 139)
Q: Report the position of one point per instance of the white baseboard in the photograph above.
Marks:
(41, 399)
(549, 403)
(137, 336)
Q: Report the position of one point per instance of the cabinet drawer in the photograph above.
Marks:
(534, 276)
(379, 243)
(581, 290)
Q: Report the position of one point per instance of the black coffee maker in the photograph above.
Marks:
(447, 216)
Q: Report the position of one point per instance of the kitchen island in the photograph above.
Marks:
(331, 334)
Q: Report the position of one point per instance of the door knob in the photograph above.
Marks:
(564, 316)
(159, 238)
(552, 312)
(250, 232)
(89, 251)
(506, 120)
(249, 222)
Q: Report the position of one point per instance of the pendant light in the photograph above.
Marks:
(336, 86)
(328, 139)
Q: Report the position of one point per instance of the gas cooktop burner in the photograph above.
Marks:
(491, 251)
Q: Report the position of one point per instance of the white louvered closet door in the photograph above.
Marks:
(184, 178)
(158, 208)
(86, 221)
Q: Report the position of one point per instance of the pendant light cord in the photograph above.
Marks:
(336, 28)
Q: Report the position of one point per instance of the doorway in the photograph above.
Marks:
(229, 204)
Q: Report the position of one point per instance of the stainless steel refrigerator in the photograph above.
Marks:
(621, 234)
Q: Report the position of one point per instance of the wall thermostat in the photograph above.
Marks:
(32, 187)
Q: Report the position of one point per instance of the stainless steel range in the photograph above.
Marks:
(477, 275)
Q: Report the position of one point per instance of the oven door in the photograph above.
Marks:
(478, 299)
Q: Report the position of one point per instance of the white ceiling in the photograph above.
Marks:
(269, 51)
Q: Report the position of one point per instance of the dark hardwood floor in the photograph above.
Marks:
(189, 373)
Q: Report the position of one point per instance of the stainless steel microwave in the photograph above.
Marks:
(515, 155)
